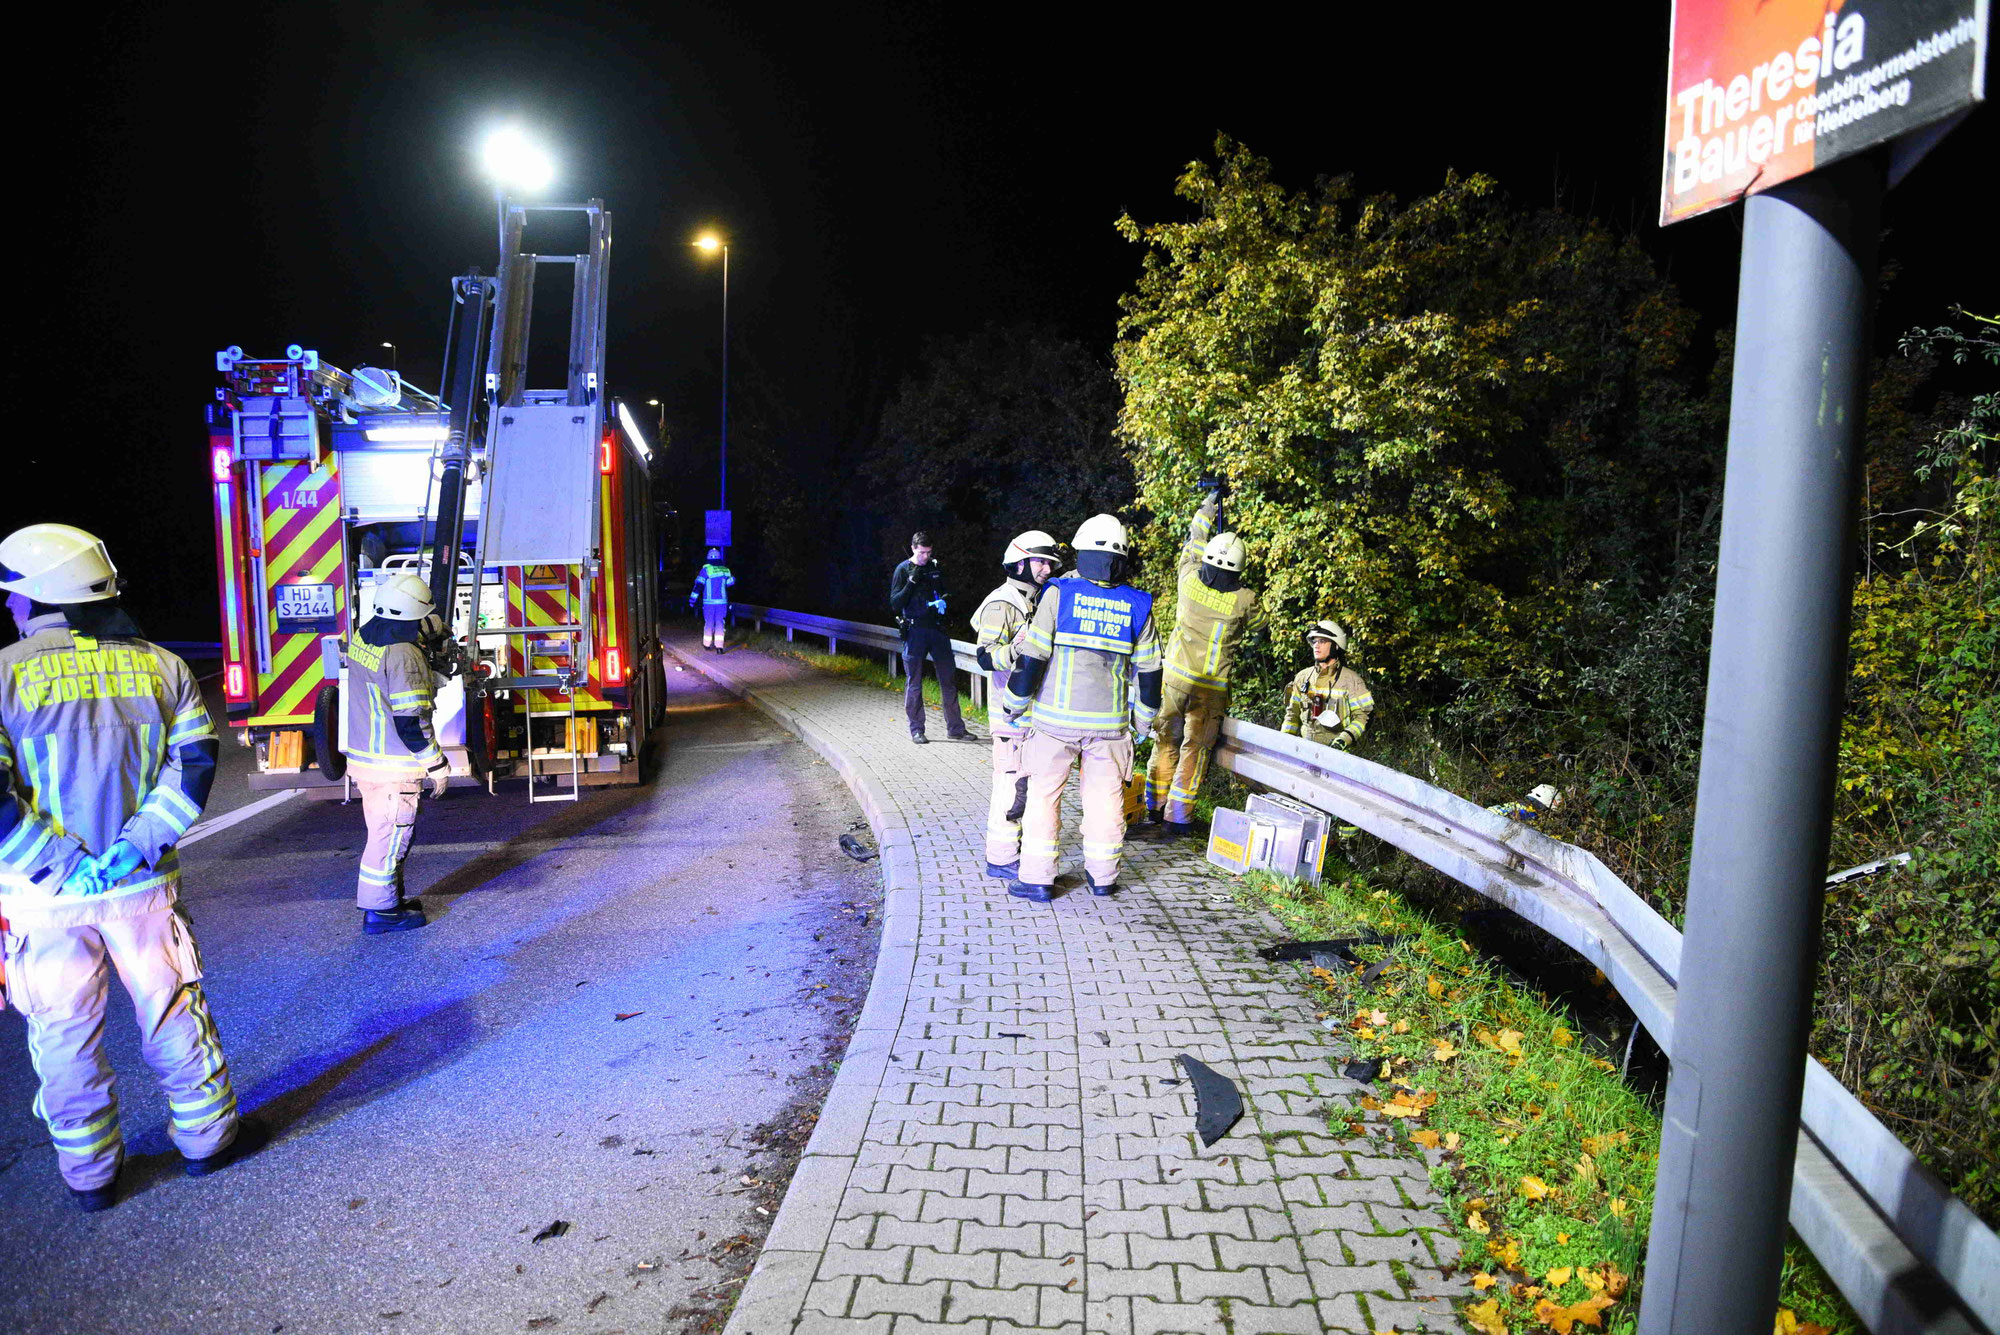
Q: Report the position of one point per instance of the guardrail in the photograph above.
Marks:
(1906, 1254)
(887, 639)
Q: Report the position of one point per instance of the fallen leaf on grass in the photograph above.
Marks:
(1602, 1064)
(1559, 1276)
(1485, 1317)
(1788, 1323)
(1563, 1037)
(1599, 1144)
(1444, 1051)
(1400, 1027)
(1426, 1138)
(1534, 1188)
(1434, 987)
(1508, 1254)
(1509, 1041)
(1483, 1281)
(1615, 1281)
(1589, 1312)
(1451, 1140)
(1618, 1206)
(1477, 1223)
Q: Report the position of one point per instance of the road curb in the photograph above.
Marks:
(775, 1293)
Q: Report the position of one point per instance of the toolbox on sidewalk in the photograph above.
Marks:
(1276, 834)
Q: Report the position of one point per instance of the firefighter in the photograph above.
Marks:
(711, 587)
(1211, 610)
(1542, 799)
(1089, 667)
(106, 758)
(1329, 702)
(1028, 561)
(391, 750)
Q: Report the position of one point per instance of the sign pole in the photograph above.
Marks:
(1777, 667)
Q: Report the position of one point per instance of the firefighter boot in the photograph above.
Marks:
(1097, 889)
(251, 1136)
(95, 1199)
(408, 915)
(1039, 894)
(1009, 872)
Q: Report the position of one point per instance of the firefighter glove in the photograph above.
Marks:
(439, 778)
(937, 604)
(984, 658)
(118, 862)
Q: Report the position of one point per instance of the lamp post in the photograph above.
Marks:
(660, 426)
(392, 355)
(710, 243)
(513, 160)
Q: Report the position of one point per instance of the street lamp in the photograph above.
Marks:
(709, 243)
(660, 428)
(392, 355)
(513, 161)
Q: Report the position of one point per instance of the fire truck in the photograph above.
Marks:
(528, 511)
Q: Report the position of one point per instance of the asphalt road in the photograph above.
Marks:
(443, 1096)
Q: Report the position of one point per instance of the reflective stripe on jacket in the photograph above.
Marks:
(996, 629)
(1207, 622)
(91, 739)
(1320, 688)
(383, 682)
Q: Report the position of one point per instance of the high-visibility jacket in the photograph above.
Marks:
(1320, 688)
(996, 628)
(1086, 648)
(100, 740)
(387, 683)
(1207, 622)
(713, 584)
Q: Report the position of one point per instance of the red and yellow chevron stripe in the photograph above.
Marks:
(303, 544)
(528, 605)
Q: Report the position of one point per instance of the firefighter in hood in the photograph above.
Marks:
(391, 750)
(711, 588)
(1211, 610)
(1088, 682)
(106, 758)
(1329, 702)
(1029, 560)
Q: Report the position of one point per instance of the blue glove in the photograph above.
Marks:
(83, 880)
(938, 604)
(118, 862)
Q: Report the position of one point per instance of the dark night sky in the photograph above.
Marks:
(887, 173)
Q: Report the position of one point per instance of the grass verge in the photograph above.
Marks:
(870, 671)
(1545, 1156)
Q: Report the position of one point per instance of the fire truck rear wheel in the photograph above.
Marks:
(331, 759)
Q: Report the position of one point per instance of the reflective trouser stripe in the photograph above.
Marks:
(390, 809)
(714, 624)
(1103, 764)
(1003, 836)
(62, 985)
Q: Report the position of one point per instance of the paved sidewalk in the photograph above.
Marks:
(1009, 1146)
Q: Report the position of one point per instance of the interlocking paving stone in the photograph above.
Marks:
(1022, 1165)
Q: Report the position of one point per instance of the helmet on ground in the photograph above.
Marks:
(715, 553)
(1547, 794)
(1331, 631)
(1033, 543)
(1100, 533)
(404, 598)
(1225, 552)
(58, 565)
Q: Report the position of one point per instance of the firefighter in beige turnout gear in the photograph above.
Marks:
(391, 751)
(1029, 560)
(1211, 609)
(106, 759)
(1087, 680)
(1329, 702)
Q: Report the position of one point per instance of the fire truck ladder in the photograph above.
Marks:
(539, 501)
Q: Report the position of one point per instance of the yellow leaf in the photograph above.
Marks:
(1563, 1037)
(1426, 1138)
(1370, 1102)
(1602, 1064)
(1562, 1238)
(1509, 1041)
(1364, 1033)
(1378, 1017)
(1559, 1276)
(1618, 1206)
(1401, 1027)
(1444, 1051)
(1589, 1312)
(1590, 1279)
(1508, 1255)
(1451, 1140)
(1534, 1188)
(1477, 1223)
(1483, 1281)
(1434, 987)
(1615, 1281)
(1789, 1324)
(1396, 1107)
(1485, 1317)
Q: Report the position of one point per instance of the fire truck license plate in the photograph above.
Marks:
(298, 603)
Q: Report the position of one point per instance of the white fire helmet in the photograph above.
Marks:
(1332, 632)
(1026, 546)
(57, 565)
(404, 598)
(1100, 533)
(1547, 794)
(1225, 552)
(715, 553)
